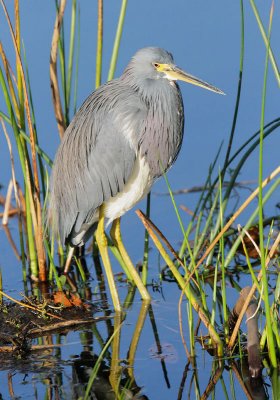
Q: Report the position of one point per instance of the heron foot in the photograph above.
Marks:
(116, 236)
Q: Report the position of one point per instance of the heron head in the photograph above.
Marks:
(142, 64)
(156, 63)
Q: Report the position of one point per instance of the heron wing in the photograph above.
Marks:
(95, 159)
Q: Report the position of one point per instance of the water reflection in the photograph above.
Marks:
(137, 354)
(110, 377)
(106, 374)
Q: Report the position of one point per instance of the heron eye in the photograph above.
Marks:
(156, 65)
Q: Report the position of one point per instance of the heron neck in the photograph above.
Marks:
(163, 133)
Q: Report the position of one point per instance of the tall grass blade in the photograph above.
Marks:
(266, 41)
(70, 60)
(99, 46)
(117, 41)
(61, 124)
(62, 66)
(7, 69)
(270, 336)
(23, 156)
(237, 102)
(222, 263)
(40, 161)
(77, 63)
(19, 75)
(32, 181)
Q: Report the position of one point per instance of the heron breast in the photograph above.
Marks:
(137, 187)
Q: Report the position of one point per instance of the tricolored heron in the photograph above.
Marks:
(126, 134)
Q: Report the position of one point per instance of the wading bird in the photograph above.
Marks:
(126, 134)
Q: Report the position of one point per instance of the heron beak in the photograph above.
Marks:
(174, 73)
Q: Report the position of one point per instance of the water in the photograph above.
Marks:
(158, 369)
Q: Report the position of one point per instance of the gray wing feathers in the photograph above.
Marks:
(93, 162)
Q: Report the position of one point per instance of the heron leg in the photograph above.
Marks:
(117, 239)
(102, 243)
(69, 259)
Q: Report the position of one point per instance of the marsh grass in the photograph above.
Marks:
(206, 261)
(15, 90)
(216, 248)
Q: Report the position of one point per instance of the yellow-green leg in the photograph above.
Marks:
(69, 259)
(135, 339)
(115, 367)
(117, 239)
(102, 243)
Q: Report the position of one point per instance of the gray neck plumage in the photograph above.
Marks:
(162, 135)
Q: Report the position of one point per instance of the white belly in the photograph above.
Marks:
(137, 187)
